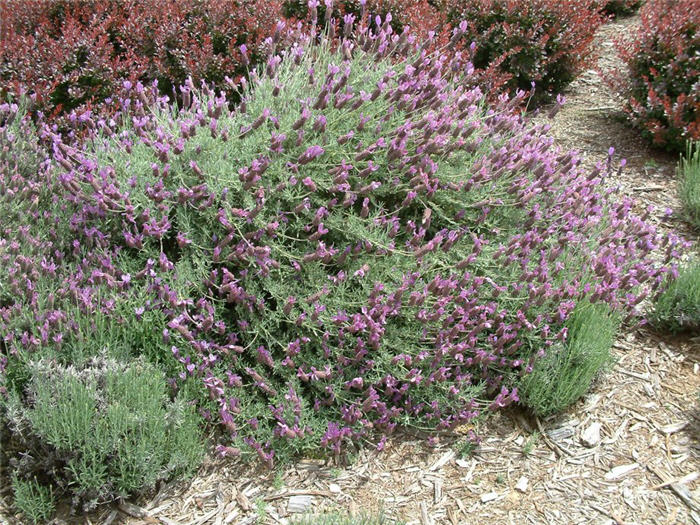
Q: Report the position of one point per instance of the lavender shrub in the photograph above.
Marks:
(75, 422)
(361, 244)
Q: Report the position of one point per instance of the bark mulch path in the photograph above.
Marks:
(625, 454)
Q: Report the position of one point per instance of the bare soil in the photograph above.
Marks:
(643, 469)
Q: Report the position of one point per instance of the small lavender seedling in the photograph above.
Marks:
(33, 500)
(278, 481)
(466, 448)
(260, 510)
(566, 372)
(677, 309)
(689, 187)
(530, 443)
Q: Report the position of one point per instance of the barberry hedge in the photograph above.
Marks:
(521, 44)
(660, 87)
(76, 55)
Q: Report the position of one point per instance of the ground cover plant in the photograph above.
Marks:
(663, 63)
(108, 426)
(33, 500)
(361, 244)
(344, 519)
(678, 308)
(565, 374)
(689, 174)
(83, 415)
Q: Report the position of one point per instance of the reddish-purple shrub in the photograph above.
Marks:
(662, 88)
(74, 54)
(519, 43)
(199, 39)
(63, 53)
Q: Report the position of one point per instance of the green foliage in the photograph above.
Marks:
(103, 431)
(621, 7)
(466, 447)
(690, 184)
(33, 500)
(344, 519)
(289, 241)
(530, 443)
(677, 309)
(566, 372)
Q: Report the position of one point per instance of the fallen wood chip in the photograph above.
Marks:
(591, 436)
(648, 188)
(446, 457)
(521, 485)
(462, 463)
(299, 504)
(672, 388)
(168, 521)
(643, 377)
(681, 481)
(160, 508)
(204, 518)
(614, 517)
(299, 492)
(132, 510)
(561, 433)
(601, 108)
(243, 501)
(620, 471)
(620, 429)
(686, 497)
(232, 516)
(556, 447)
(452, 516)
(112, 516)
(489, 496)
(437, 491)
(680, 490)
(249, 520)
(673, 428)
(424, 518)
